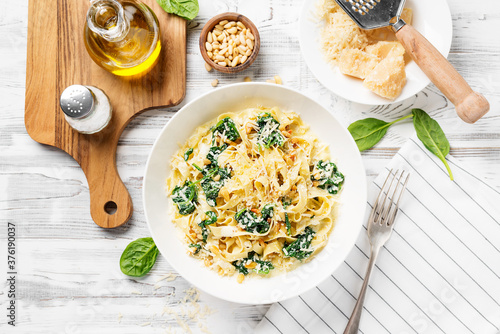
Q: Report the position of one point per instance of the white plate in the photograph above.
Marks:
(233, 98)
(431, 18)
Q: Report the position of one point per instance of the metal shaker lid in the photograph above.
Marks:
(77, 101)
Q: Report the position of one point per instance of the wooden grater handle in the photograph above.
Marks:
(470, 105)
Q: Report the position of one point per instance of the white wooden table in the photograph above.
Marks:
(69, 279)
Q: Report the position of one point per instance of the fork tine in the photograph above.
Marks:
(375, 205)
(387, 209)
(392, 215)
(381, 214)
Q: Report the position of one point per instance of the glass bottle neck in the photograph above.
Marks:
(107, 19)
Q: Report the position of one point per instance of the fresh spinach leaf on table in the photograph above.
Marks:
(139, 257)
(187, 9)
(369, 131)
(432, 136)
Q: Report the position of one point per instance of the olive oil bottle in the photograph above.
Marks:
(122, 36)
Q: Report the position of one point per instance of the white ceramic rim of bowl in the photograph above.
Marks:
(280, 287)
(436, 25)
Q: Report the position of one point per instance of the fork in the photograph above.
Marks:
(380, 226)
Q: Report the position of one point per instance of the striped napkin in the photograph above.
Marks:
(439, 272)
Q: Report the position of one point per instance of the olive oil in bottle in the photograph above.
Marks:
(122, 36)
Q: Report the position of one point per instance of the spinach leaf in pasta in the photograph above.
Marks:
(214, 152)
(253, 263)
(328, 177)
(225, 128)
(212, 218)
(250, 222)
(301, 247)
(213, 181)
(267, 211)
(185, 197)
(269, 133)
(197, 246)
(188, 153)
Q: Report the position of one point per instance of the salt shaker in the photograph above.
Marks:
(86, 108)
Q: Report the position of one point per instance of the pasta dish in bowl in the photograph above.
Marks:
(264, 187)
(254, 192)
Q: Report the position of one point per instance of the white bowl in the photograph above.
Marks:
(432, 18)
(233, 98)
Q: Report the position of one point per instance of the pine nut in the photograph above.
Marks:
(210, 54)
(278, 80)
(242, 40)
(235, 61)
(247, 79)
(215, 83)
(209, 37)
(208, 67)
(223, 22)
(232, 30)
(241, 25)
(240, 278)
(223, 51)
(248, 53)
(250, 35)
(250, 44)
(208, 46)
(219, 27)
(244, 59)
(219, 57)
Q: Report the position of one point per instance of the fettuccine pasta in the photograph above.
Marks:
(254, 192)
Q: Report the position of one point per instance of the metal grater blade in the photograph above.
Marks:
(372, 14)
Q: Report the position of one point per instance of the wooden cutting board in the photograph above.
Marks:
(57, 58)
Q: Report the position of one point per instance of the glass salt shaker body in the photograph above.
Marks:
(86, 108)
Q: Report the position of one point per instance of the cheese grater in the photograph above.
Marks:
(372, 14)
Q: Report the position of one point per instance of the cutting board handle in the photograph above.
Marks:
(110, 202)
(470, 105)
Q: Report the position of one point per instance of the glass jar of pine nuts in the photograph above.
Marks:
(229, 42)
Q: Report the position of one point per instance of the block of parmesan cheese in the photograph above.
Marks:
(357, 63)
(341, 33)
(382, 48)
(388, 78)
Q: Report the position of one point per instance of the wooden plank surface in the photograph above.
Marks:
(69, 280)
(57, 58)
